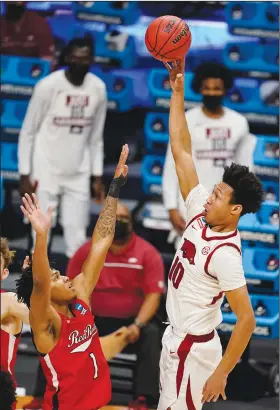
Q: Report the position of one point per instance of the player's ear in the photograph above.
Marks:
(5, 274)
(236, 209)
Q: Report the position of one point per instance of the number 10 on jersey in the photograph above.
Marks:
(176, 273)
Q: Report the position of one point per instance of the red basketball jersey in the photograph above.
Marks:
(77, 373)
(9, 345)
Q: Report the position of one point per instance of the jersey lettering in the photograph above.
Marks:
(176, 273)
(95, 367)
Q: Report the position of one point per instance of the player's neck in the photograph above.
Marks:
(73, 80)
(224, 227)
(218, 113)
(62, 309)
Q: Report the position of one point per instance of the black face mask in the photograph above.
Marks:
(78, 71)
(122, 231)
(212, 102)
(14, 11)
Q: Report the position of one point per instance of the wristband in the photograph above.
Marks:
(139, 324)
(114, 189)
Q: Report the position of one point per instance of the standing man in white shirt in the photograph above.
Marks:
(220, 136)
(61, 141)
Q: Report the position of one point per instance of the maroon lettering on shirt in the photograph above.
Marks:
(218, 133)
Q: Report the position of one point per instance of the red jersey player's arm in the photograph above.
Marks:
(16, 309)
(180, 139)
(43, 317)
(103, 234)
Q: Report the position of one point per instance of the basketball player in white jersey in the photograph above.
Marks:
(220, 136)
(206, 266)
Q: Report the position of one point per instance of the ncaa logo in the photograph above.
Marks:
(80, 308)
(205, 250)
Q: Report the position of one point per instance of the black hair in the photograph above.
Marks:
(86, 41)
(8, 390)
(211, 70)
(24, 285)
(247, 188)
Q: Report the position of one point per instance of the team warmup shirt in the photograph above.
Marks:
(77, 373)
(62, 133)
(206, 264)
(125, 278)
(215, 143)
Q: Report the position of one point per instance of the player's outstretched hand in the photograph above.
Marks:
(122, 168)
(214, 387)
(26, 262)
(40, 221)
(176, 71)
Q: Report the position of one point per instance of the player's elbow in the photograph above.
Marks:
(248, 320)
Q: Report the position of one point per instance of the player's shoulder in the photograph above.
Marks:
(95, 81)
(49, 81)
(33, 16)
(193, 112)
(235, 116)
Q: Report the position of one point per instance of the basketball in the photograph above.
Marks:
(168, 38)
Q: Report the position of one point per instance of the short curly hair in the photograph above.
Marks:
(211, 70)
(6, 253)
(24, 285)
(247, 188)
(8, 390)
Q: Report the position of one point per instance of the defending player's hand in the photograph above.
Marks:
(176, 71)
(26, 263)
(40, 221)
(214, 387)
(122, 168)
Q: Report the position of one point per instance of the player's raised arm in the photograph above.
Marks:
(41, 311)
(180, 139)
(103, 233)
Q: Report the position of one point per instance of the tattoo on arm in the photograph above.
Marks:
(107, 219)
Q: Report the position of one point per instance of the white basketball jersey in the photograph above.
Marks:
(195, 286)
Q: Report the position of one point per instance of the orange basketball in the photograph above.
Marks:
(168, 38)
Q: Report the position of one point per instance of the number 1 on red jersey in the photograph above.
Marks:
(95, 367)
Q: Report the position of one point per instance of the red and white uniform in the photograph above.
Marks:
(9, 345)
(206, 264)
(77, 373)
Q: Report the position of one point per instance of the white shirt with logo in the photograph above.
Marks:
(206, 264)
(62, 131)
(215, 143)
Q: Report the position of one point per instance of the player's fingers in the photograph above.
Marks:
(29, 200)
(24, 211)
(125, 170)
(167, 65)
(27, 206)
(215, 398)
(35, 200)
(210, 398)
(223, 394)
(49, 211)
